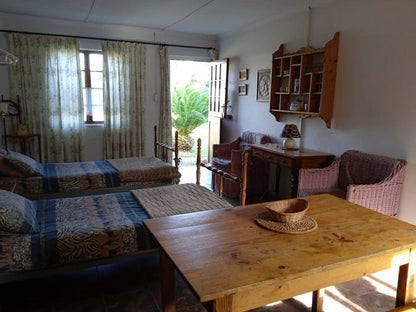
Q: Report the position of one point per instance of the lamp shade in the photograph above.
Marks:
(290, 131)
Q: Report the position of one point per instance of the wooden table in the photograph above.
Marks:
(232, 264)
(24, 139)
(292, 159)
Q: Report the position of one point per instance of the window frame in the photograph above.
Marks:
(87, 78)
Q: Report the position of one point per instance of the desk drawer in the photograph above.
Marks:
(257, 153)
(285, 162)
(270, 157)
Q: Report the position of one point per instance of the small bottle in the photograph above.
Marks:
(296, 86)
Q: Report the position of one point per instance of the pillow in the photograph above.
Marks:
(3, 153)
(26, 165)
(6, 170)
(17, 214)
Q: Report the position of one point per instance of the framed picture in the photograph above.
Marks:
(243, 74)
(263, 85)
(242, 89)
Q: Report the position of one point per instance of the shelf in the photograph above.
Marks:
(295, 112)
(312, 73)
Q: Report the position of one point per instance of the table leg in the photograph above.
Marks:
(224, 304)
(40, 149)
(167, 283)
(294, 182)
(318, 300)
(405, 284)
(277, 179)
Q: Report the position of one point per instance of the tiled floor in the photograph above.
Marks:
(134, 285)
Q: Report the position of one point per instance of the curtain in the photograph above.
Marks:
(47, 77)
(124, 93)
(165, 119)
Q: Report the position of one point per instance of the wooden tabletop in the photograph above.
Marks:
(223, 253)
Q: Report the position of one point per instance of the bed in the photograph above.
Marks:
(56, 233)
(25, 176)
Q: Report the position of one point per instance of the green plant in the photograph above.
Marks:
(189, 111)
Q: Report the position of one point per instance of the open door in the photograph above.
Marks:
(218, 89)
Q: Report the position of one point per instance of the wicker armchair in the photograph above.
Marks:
(369, 180)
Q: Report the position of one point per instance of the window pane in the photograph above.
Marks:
(82, 61)
(96, 62)
(97, 112)
(97, 80)
(97, 96)
(87, 101)
(83, 78)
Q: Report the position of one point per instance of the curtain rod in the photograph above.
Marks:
(98, 38)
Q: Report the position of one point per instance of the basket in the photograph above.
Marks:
(289, 210)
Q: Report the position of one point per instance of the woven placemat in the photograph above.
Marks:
(304, 225)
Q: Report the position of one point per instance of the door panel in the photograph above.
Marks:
(218, 89)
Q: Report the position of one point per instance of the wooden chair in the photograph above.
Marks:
(227, 157)
(220, 174)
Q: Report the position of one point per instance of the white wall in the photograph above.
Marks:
(374, 109)
(93, 134)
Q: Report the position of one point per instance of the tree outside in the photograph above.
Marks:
(189, 111)
(189, 101)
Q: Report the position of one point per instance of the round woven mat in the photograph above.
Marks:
(304, 225)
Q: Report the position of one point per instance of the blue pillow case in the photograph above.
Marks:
(24, 164)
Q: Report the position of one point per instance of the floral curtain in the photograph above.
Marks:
(124, 93)
(47, 78)
(165, 119)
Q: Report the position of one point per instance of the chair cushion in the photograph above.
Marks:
(362, 168)
(17, 214)
(221, 163)
(248, 138)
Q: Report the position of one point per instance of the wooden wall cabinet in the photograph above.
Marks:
(306, 77)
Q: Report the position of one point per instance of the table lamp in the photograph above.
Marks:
(289, 132)
(6, 58)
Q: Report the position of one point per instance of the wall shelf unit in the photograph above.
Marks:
(306, 77)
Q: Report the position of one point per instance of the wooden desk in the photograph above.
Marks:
(232, 264)
(292, 159)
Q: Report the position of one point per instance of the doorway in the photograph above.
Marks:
(189, 89)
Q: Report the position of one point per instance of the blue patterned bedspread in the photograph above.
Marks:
(78, 229)
(61, 177)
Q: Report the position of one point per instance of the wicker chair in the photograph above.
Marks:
(369, 180)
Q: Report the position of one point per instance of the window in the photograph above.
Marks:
(92, 85)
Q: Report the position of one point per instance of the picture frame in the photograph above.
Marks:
(263, 85)
(242, 89)
(243, 74)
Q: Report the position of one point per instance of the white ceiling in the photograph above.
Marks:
(209, 17)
